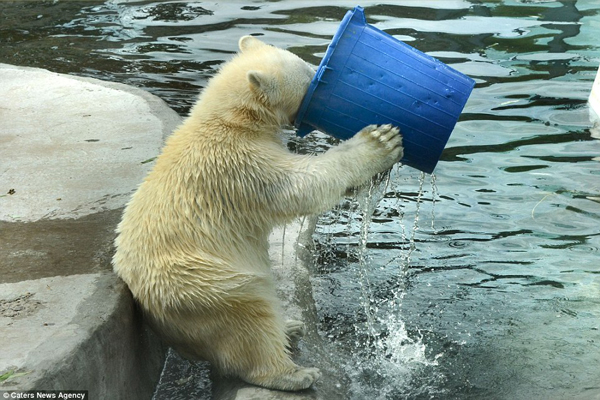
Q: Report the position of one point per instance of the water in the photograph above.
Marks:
(494, 291)
(387, 350)
(391, 356)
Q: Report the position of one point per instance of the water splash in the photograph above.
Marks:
(283, 244)
(409, 239)
(434, 195)
(368, 200)
(390, 354)
(298, 245)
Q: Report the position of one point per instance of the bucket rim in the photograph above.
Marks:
(359, 12)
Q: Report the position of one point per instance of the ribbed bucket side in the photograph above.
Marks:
(373, 78)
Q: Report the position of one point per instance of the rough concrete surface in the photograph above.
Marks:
(78, 332)
(73, 146)
(72, 150)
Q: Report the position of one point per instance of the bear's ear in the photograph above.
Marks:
(259, 80)
(250, 42)
(264, 83)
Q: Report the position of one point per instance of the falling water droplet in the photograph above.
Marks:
(434, 196)
(368, 200)
(283, 245)
(298, 244)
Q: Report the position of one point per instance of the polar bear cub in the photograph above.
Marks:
(193, 242)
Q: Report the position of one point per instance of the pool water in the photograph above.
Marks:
(480, 281)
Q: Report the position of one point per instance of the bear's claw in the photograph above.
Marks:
(387, 135)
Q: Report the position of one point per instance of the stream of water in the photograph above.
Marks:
(481, 282)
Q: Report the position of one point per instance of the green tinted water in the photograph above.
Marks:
(496, 294)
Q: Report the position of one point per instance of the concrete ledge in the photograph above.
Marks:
(74, 146)
(72, 150)
(79, 332)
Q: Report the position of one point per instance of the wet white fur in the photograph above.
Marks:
(192, 245)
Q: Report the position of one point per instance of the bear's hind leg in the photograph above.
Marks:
(256, 349)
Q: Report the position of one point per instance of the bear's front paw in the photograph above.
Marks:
(385, 139)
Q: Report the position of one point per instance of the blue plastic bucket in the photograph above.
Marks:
(369, 77)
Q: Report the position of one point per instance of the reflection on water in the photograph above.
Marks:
(498, 296)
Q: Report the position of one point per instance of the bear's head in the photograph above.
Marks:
(280, 79)
(262, 84)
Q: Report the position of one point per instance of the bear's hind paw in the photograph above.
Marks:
(300, 379)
